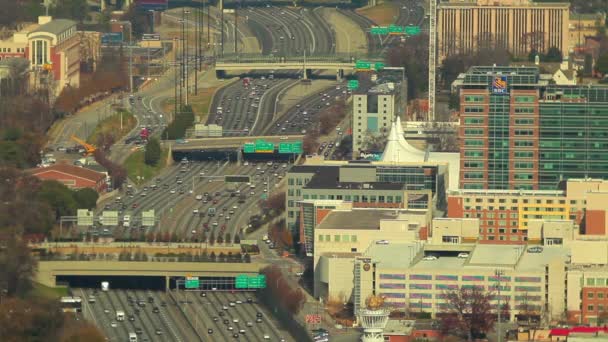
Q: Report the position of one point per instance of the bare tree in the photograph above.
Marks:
(374, 142)
(468, 314)
(443, 136)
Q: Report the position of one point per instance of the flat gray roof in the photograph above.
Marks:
(356, 219)
(393, 255)
(442, 263)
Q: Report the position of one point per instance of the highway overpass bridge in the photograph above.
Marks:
(246, 62)
(228, 148)
(155, 274)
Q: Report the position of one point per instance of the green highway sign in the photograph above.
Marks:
(249, 148)
(192, 283)
(352, 85)
(412, 30)
(264, 196)
(395, 30)
(363, 65)
(237, 179)
(241, 281)
(379, 30)
(260, 146)
(291, 147)
(378, 66)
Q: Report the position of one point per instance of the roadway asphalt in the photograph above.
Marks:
(182, 316)
(175, 205)
(411, 12)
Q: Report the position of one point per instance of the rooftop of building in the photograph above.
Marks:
(310, 168)
(399, 327)
(55, 26)
(393, 255)
(398, 150)
(483, 256)
(359, 219)
(71, 170)
(503, 3)
(587, 16)
(385, 81)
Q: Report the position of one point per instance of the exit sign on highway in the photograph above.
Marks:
(192, 283)
(353, 84)
(412, 30)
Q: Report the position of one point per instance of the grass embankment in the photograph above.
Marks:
(200, 103)
(136, 167)
(383, 14)
(112, 126)
(43, 291)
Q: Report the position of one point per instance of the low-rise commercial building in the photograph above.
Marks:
(367, 185)
(343, 232)
(52, 46)
(505, 215)
(531, 282)
(73, 177)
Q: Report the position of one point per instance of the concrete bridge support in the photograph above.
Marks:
(339, 75)
(305, 74)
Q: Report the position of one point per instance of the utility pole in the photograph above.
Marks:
(208, 25)
(498, 274)
(175, 74)
(197, 66)
(186, 81)
(222, 27)
(236, 23)
(432, 58)
(130, 59)
(200, 37)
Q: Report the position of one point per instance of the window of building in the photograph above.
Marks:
(523, 99)
(600, 295)
(589, 307)
(336, 238)
(353, 238)
(474, 98)
(345, 238)
(590, 295)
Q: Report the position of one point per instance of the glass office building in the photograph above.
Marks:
(517, 131)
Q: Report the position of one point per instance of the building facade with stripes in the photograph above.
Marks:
(519, 26)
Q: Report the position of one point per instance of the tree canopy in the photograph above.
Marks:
(153, 152)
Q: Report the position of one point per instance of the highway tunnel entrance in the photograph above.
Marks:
(202, 155)
(116, 282)
(275, 156)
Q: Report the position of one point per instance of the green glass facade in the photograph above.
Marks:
(573, 140)
(533, 135)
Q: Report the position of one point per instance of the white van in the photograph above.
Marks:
(120, 315)
(126, 221)
(132, 337)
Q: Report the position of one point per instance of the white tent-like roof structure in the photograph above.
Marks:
(398, 150)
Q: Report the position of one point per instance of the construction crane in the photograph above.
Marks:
(432, 58)
(89, 149)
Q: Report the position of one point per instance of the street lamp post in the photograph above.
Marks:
(498, 274)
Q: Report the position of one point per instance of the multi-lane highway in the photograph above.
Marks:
(180, 315)
(185, 195)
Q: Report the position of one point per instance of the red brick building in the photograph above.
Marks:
(73, 177)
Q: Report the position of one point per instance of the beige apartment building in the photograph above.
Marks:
(344, 233)
(517, 25)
